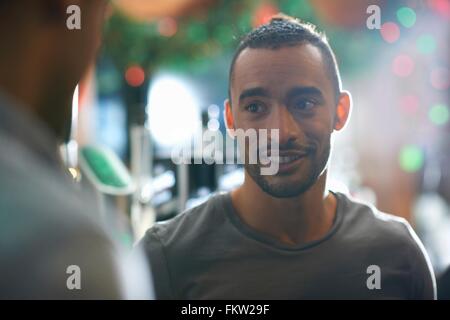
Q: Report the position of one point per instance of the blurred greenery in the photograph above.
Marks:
(202, 37)
(197, 39)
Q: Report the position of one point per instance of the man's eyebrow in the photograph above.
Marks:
(296, 91)
(252, 92)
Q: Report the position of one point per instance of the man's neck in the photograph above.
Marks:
(301, 219)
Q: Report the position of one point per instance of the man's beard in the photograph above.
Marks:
(289, 189)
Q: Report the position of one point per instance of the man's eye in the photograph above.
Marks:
(304, 104)
(254, 108)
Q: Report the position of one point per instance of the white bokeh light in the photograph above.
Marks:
(173, 111)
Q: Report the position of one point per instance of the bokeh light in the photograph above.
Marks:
(263, 14)
(406, 16)
(439, 114)
(135, 76)
(442, 7)
(409, 104)
(390, 32)
(173, 111)
(213, 125)
(411, 158)
(214, 111)
(403, 65)
(439, 78)
(167, 27)
(426, 44)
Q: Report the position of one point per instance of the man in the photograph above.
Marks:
(50, 245)
(284, 236)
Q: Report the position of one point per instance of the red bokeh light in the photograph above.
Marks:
(263, 14)
(442, 7)
(135, 76)
(390, 32)
(403, 65)
(167, 27)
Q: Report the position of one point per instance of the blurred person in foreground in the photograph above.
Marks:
(47, 229)
(286, 236)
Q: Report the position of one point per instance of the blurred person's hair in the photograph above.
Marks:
(285, 31)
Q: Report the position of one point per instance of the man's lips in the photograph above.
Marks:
(286, 161)
(286, 156)
(283, 159)
(287, 164)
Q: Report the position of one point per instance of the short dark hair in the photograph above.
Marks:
(283, 31)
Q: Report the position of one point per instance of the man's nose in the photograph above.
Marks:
(284, 121)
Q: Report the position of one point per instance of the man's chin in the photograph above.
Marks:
(283, 184)
(279, 187)
(284, 191)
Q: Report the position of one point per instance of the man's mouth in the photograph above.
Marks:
(285, 156)
(286, 159)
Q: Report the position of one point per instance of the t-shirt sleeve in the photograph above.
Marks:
(154, 250)
(423, 278)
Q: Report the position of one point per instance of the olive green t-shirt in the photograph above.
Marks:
(208, 252)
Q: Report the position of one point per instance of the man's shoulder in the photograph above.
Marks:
(35, 198)
(363, 220)
(391, 238)
(190, 225)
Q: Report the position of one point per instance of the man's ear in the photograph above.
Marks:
(229, 120)
(343, 110)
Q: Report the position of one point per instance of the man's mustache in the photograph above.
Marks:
(290, 147)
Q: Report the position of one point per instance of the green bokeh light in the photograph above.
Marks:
(406, 16)
(411, 158)
(426, 44)
(439, 114)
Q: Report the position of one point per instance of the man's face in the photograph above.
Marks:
(287, 89)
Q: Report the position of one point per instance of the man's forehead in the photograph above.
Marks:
(299, 54)
(256, 66)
